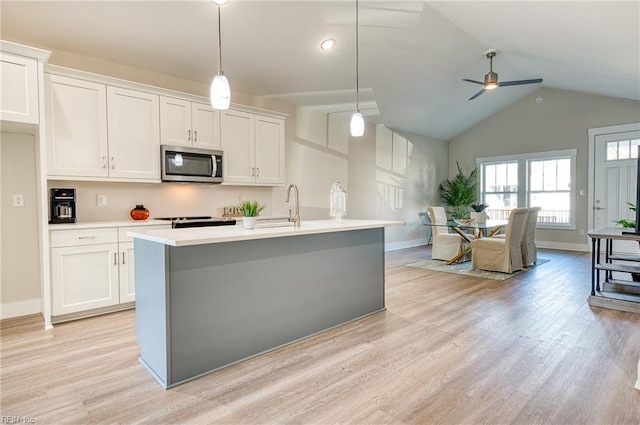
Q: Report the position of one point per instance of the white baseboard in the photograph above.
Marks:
(406, 244)
(20, 308)
(563, 246)
(540, 244)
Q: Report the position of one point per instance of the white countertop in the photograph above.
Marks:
(220, 234)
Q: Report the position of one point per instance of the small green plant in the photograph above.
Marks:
(460, 192)
(250, 208)
(479, 207)
(627, 223)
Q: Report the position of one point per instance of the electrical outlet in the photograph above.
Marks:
(102, 200)
(581, 232)
(18, 200)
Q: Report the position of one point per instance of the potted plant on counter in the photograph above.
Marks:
(250, 210)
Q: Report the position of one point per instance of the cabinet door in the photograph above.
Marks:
(238, 145)
(175, 121)
(206, 127)
(76, 127)
(127, 276)
(84, 278)
(269, 150)
(18, 89)
(134, 134)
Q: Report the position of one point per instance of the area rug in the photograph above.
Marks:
(465, 269)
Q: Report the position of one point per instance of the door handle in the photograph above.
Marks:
(195, 135)
(189, 135)
(115, 258)
(598, 208)
(123, 257)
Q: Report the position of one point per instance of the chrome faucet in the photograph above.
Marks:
(296, 218)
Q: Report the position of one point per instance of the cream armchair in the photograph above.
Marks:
(501, 254)
(445, 245)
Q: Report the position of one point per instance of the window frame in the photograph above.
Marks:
(524, 179)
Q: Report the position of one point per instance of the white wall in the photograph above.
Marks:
(20, 264)
(560, 121)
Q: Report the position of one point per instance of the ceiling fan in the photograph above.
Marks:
(491, 78)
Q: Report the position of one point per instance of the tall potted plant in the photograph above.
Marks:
(460, 192)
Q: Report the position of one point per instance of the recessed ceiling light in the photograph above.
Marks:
(220, 2)
(327, 44)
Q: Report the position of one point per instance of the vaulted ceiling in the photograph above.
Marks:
(413, 54)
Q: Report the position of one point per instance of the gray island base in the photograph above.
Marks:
(205, 306)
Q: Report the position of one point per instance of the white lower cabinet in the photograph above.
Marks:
(84, 277)
(127, 276)
(93, 269)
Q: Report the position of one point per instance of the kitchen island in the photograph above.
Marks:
(210, 297)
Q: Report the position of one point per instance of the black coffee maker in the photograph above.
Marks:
(63, 206)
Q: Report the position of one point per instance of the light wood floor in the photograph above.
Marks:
(448, 350)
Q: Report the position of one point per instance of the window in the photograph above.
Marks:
(622, 149)
(540, 179)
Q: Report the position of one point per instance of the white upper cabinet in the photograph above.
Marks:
(76, 127)
(253, 147)
(18, 89)
(133, 134)
(100, 132)
(238, 145)
(185, 123)
(269, 150)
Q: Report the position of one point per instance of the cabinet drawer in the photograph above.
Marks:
(60, 238)
(122, 231)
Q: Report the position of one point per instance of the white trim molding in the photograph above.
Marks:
(405, 244)
(592, 134)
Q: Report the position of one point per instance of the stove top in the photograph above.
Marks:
(198, 221)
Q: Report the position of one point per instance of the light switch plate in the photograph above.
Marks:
(102, 200)
(18, 200)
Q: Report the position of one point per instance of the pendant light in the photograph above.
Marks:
(220, 90)
(357, 122)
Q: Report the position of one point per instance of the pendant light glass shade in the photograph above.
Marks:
(220, 92)
(357, 122)
(356, 125)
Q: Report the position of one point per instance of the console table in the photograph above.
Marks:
(607, 291)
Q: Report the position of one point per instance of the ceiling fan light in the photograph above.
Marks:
(220, 92)
(490, 81)
(356, 125)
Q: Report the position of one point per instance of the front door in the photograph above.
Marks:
(615, 182)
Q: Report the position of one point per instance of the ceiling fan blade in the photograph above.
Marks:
(519, 82)
(477, 94)
(473, 81)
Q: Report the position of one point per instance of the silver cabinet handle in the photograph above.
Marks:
(115, 258)
(113, 163)
(253, 171)
(195, 135)
(258, 172)
(104, 162)
(189, 135)
(86, 237)
(123, 257)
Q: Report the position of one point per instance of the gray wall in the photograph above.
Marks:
(560, 121)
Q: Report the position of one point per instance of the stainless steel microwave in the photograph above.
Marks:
(181, 164)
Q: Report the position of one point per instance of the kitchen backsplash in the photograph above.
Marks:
(162, 200)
